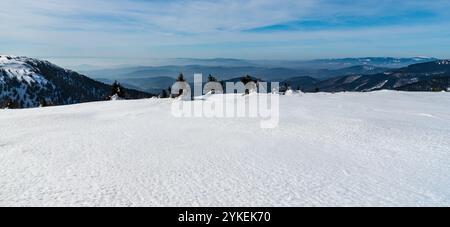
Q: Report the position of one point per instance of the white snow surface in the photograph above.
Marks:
(383, 148)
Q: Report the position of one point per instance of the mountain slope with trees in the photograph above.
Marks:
(429, 76)
(28, 82)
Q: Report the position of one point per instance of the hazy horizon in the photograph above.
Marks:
(78, 62)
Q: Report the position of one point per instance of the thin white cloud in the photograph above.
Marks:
(182, 16)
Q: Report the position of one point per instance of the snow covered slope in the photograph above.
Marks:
(348, 149)
(29, 82)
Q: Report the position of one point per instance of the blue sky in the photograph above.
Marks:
(72, 32)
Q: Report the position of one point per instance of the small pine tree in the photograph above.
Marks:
(284, 87)
(170, 92)
(317, 90)
(211, 78)
(42, 102)
(163, 94)
(118, 90)
(437, 89)
(3, 104)
(181, 78)
(11, 104)
(246, 79)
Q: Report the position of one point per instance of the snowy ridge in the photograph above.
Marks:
(19, 68)
(20, 80)
(426, 76)
(27, 82)
(443, 62)
(378, 86)
(423, 58)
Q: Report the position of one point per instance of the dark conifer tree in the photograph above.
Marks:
(163, 94)
(11, 104)
(284, 87)
(181, 78)
(211, 78)
(246, 79)
(43, 102)
(118, 90)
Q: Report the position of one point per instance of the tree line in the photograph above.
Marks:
(167, 93)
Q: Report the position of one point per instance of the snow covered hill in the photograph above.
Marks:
(428, 76)
(30, 82)
(347, 149)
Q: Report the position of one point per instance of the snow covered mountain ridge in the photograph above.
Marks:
(20, 68)
(443, 62)
(426, 76)
(29, 82)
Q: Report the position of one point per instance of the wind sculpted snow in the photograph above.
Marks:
(383, 148)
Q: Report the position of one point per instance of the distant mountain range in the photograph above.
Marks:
(387, 62)
(429, 76)
(154, 78)
(426, 76)
(149, 81)
(152, 85)
(28, 82)
(332, 63)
